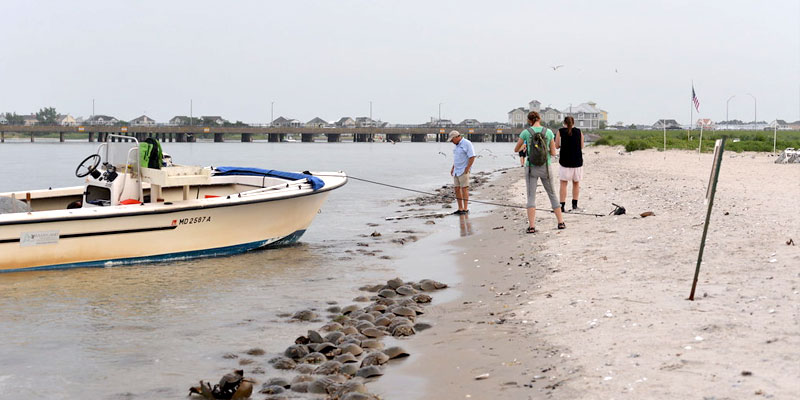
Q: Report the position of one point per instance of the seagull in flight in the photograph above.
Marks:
(556, 67)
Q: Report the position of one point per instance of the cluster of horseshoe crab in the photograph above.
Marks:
(338, 359)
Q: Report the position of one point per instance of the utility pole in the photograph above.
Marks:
(727, 119)
(191, 112)
(370, 110)
(92, 109)
(439, 121)
(755, 110)
(271, 112)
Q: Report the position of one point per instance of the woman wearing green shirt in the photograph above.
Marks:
(539, 172)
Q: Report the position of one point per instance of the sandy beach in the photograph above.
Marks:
(600, 310)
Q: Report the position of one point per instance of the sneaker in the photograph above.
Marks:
(457, 212)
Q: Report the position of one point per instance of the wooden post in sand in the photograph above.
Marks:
(719, 147)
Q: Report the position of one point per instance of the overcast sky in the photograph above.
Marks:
(636, 59)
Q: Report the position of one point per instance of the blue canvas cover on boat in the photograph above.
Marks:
(315, 182)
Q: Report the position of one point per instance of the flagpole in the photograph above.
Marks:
(691, 114)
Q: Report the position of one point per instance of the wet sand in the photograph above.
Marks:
(600, 309)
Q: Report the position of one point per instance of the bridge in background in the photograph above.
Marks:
(101, 133)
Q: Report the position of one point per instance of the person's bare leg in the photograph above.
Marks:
(522, 161)
(465, 195)
(458, 197)
(562, 193)
(559, 216)
(532, 217)
(576, 190)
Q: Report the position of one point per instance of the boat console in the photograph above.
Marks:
(115, 176)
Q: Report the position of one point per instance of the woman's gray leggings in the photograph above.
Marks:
(540, 172)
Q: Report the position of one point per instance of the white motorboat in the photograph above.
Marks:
(127, 212)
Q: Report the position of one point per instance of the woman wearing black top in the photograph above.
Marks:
(570, 142)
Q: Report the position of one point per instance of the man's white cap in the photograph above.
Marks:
(453, 135)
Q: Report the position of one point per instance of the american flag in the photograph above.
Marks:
(695, 100)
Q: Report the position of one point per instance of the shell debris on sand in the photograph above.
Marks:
(339, 357)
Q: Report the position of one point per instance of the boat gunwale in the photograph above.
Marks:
(128, 211)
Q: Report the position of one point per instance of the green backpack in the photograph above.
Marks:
(537, 147)
(150, 154)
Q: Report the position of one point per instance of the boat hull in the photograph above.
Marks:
(162, 234)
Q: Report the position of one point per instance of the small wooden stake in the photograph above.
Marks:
(710, 198)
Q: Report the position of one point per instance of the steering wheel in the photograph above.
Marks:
(94, 159)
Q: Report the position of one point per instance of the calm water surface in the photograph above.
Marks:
(150, 331)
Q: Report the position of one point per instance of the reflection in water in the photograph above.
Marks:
(464, 225)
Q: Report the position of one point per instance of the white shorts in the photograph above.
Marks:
(570, 174)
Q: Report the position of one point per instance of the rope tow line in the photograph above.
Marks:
(451, 196)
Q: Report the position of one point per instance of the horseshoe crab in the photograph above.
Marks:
(305, 368)
(373, 333)
(369, 371)
(349, 369)
(385, 301)
(328, 368)
(395, 352)
(304, 315)
(387, 293)
(405, 290)
(325, 384)
(315, 337)
(332, 326)
(349, 330)
(271, 389)
(300, 387)
(359, 396)
(351, 386)
(394, 283)
(399, 321)
(281, 362)
(404, 311)
(364, 325)
(374, 358)
(372, 344)
(278, 381)
(334, 337)
(366, 317)
(376, 307)
(421, 298)
(352, 348)
(315, 358)
(296, 351)
(403, 330)
(421, 326)
(334, 309)
(383, 321)
(345, 358)
(430, 285)
(348, 309)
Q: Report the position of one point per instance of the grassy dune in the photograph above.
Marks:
(676, 139)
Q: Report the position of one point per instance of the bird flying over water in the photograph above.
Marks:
(445, 155)
(556, 67)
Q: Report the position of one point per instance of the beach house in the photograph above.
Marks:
(317, 122)
(143, 120)
(670, 124)
(180, 120)
(587, 116)
(101, 120)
